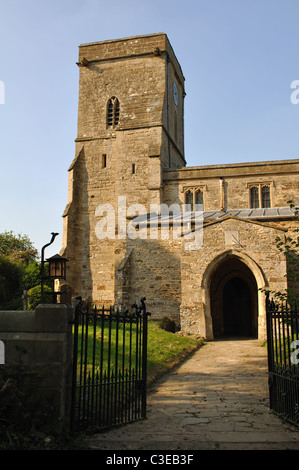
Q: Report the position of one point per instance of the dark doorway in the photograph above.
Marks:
(237, 308)
(233, 295)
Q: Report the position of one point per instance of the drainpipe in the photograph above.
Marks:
(221, 181)
(167, 97)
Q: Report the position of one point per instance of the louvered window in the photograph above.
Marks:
(112, 112)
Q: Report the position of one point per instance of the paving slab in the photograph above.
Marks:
(218, 399)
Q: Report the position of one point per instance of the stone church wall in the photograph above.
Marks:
(140, 161)
(264, 260)
(176, 281)
(235, 179)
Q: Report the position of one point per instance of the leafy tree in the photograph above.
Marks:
(18, 248)
(31, 275)
(10, 278)
(19, 269)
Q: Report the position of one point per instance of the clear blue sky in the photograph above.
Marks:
(239, 58)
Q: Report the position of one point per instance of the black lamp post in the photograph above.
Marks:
(57, 268)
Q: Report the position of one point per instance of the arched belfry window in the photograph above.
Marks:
(112, 112)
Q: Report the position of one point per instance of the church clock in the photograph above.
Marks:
(175, 93)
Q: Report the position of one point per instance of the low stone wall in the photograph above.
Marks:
(36, 354)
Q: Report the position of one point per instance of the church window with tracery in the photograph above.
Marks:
(112, 112)
(193, 198)
(260, 196)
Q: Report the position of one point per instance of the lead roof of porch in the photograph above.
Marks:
(268, 213)
(257, 214)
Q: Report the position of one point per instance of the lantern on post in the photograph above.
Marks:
(57, 268)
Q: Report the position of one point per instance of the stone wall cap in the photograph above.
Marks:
(129, 38)
(225, 170)
(238, 164)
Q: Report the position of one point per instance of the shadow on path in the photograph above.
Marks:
(216, 399)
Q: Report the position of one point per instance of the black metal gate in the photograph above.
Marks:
(283, 359)
(109, 367)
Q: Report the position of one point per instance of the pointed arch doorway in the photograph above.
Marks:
(234, 300)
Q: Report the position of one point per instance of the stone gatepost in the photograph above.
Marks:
(38, 358)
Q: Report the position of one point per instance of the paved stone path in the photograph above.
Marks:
(217, 399)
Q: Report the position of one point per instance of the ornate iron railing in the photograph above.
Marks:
(283, 359)
(109, 367)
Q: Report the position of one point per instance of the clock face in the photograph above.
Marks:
(175, 93)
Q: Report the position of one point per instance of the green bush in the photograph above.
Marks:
(35, 298)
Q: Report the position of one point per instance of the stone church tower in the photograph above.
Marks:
(130, 128)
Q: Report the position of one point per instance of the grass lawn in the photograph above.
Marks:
(166, 350)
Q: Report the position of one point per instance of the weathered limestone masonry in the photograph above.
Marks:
(226, 198)
(38, 352)
(130, 149)
(227, 186)
(121, 149)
